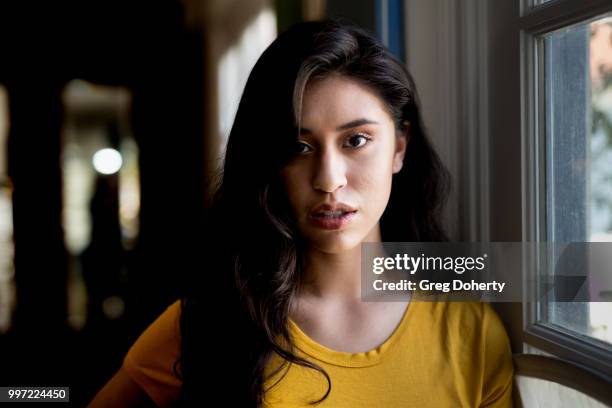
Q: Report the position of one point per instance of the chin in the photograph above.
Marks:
(335, 243)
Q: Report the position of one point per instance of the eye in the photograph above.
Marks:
(299, 147)
(361, 138)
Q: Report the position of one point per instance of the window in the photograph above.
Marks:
(567, 98)
(578, 105)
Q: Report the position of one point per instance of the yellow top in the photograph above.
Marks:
(442, 354)
(150, 361)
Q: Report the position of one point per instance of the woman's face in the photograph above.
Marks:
(347, 153)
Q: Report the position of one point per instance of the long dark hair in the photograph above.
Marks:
(235, 316)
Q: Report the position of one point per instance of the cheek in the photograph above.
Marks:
(372, 180)
(374, 183)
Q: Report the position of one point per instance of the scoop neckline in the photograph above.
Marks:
(347, 359)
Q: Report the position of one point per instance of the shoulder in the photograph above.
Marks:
(473, 324)
(465, 314)
(475, 328)
(152, 361)
(163, 333)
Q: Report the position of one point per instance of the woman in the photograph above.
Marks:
(327, 151)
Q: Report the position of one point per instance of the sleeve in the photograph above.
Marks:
(498, 367)
(151, 360)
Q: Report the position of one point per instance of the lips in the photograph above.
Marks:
(332, 216)
(328, 209)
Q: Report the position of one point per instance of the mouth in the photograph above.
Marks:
(330, 209)
(333, 214)
(332, 219)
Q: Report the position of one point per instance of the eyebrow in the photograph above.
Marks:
(348, 125)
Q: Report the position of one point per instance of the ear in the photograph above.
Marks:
(401, 143)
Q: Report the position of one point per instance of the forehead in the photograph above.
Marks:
(337, 99)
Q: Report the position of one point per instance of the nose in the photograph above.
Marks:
(330, 172)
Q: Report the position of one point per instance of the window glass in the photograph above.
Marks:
(578, 143)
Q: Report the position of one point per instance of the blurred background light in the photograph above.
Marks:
(107, 161)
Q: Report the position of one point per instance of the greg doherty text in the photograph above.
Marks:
(457, 284)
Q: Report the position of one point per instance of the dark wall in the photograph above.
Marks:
(146, 48)
(360, 12)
